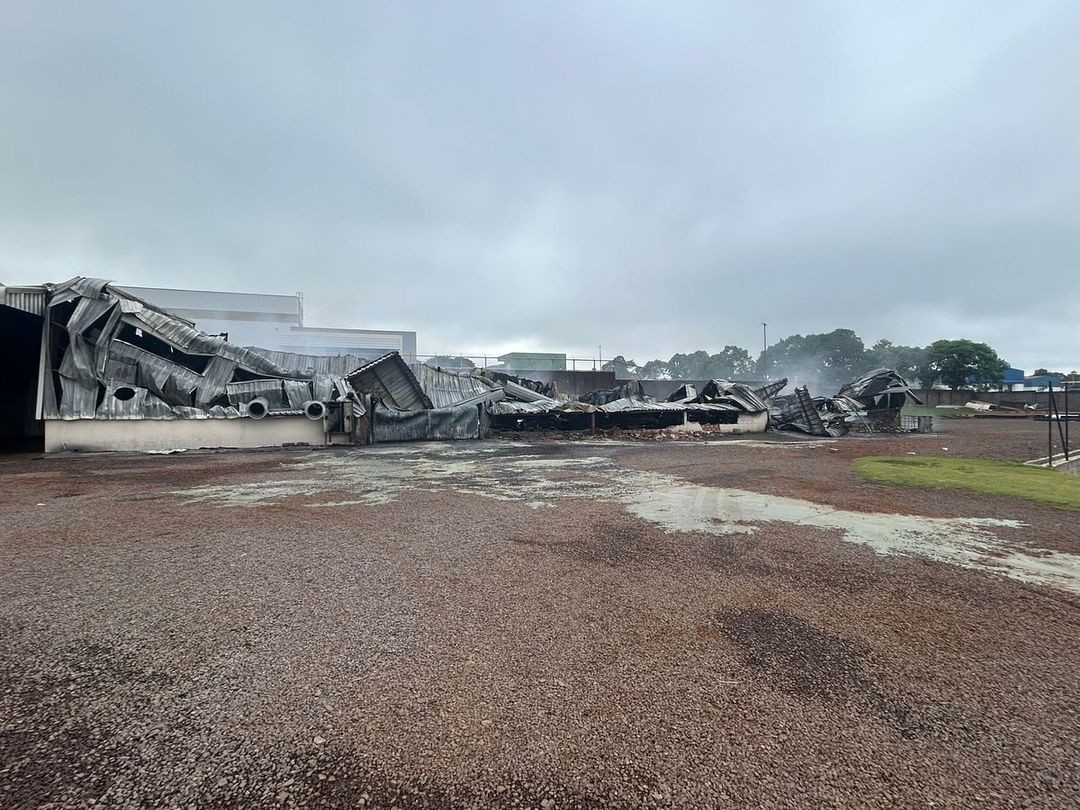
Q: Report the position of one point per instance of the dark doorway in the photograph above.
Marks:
(20, 348)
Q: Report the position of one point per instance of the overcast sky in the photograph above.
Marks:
(653, 177)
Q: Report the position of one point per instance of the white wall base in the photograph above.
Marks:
(748, 423)
(179, 434)
(1070, 467)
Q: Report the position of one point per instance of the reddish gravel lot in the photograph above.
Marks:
(520, 625)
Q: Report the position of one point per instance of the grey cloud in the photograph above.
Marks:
(656, 180)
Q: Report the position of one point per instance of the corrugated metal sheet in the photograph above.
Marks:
(121, 371)
(631, 389)
(706, 407)
(243, 392)
(49, 409)
(458, 422)
(626, 404)
(143, 405)
(737, 395)
(78, 362)
(492, 396)
(311, 365)
(179, 334)
(523, 394)
(390, 379)
(215, 412)
(322, 388)
(123, 352)
(880, 388)
(78, 399)
(297, 392)
(508, 407)
(27, 299)
(445, 388)
(78, 287)
(344, 388)
(96, 360)
(767, 392)
(215, 376)
(101, 347)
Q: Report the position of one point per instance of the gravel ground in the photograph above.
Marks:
(317, 629)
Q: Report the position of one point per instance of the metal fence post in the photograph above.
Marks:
(1065, 385)
(1049, 425)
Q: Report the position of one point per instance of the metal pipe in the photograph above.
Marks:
(258, 407)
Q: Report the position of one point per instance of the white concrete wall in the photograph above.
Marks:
(179, 434)
(748, 423)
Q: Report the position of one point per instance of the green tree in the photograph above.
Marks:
(688, 366)
(925, 372)
(735, 361)
(730, 363)
(960, 363)
(823, 361)
(908, 361)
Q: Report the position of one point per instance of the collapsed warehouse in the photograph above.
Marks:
(100, 369)
(872, 403)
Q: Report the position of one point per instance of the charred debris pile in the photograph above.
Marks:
(868, 404)
(109, 355)
(872, 403)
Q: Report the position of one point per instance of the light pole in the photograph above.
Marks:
(764, 344)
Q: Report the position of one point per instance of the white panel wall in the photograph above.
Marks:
(179, 434)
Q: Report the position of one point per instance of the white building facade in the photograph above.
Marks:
(274, 322)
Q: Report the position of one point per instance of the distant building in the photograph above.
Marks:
(533, 361)
(1013, 376)
(273, 322)
(1041, 381)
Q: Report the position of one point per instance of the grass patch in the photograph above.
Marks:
(1005, 478)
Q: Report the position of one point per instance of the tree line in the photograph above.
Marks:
(828, 360)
